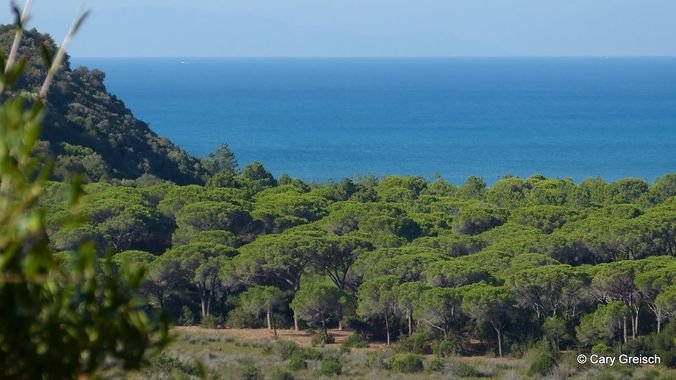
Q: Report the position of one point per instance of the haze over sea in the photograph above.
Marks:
(320, 118)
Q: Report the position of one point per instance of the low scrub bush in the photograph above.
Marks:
(451, 346)
(210, 322)
(285, 349)
(543, 358)
(320, 339)
(249, 371)
(166, 363)
(418, 343)
(297, 362)
(310, 353)
(187, 317)
(354, 341)
(375, 360)
(281, 375)
(601, 348)
(239, 318)
(407, 364)
(435, 365)
(641, 346)
(331, 366)
(461, 369)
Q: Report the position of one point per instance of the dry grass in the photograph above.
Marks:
(221, 353)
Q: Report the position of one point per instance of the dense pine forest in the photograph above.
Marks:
(451, 269)
(425, 267)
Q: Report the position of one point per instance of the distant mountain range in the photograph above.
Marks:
(89, 131)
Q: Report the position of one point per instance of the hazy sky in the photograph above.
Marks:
(192, 28)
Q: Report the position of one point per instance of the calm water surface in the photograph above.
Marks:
(331, 118)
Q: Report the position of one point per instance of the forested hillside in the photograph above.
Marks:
(91, 132)
(427, 265)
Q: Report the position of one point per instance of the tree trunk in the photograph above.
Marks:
(269, 317)
(295, 322)
(387, 329)
(624, 328)
(659, 320)
(274, 326)
(324, 329)
(340, 325)
(409, 320)
(636, 325)
(499, 342)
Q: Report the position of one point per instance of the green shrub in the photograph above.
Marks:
(418, 343)
(240, 319)
(285, 348)
(187, 318)
(601, 348)
(166, 363)
(408, 363)
(543, 364)
(461, 369)
(297, 362)
(330, 366)
(354, 341)
(664, 345)
(641, 346)
(320, 339)
(249, 371)
(450, 346)
(310, 353)
(278, 374)
(435, 365)
(210, 322)
(543, 358)
(375, 360)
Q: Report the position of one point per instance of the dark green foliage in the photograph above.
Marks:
(545, 359)
(418, 343)
(355, 341)
(476, 219)
(330, 367)
(435, 365)
(601, 348)
(452, 345)
(410, 363)
(664, 346)
(322, 339)
(221, 160)
(210, 322)
(279, 374)
(311, 353)
(249, 370)
(297, 362)
(285, 349)
(166, 363)
(239, 318)
(187, 317)
(258, 177)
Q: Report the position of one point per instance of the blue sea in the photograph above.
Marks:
(332, 118)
